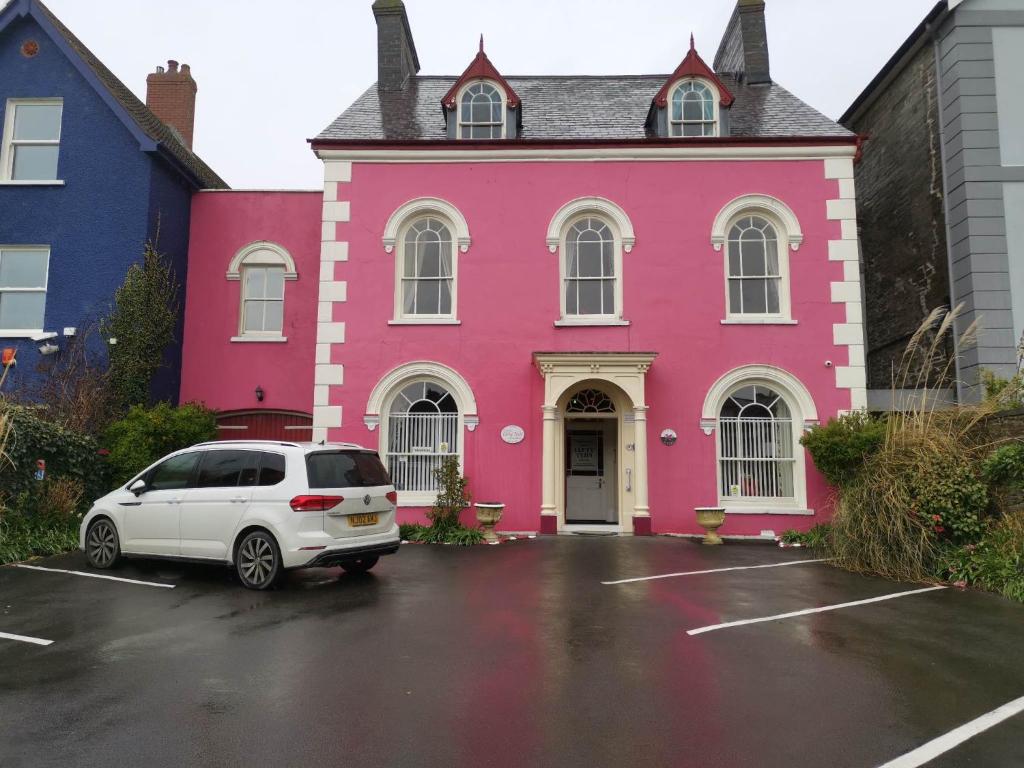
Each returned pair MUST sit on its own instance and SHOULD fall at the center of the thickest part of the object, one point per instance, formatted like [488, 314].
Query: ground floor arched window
[422, 429]
[756, 446]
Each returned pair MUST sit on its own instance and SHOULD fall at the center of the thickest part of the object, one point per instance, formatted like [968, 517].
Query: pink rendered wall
[508, 300]
[225, 374]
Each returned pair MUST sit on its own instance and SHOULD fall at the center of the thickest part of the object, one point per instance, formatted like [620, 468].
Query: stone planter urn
[488, 514]
[711, 519]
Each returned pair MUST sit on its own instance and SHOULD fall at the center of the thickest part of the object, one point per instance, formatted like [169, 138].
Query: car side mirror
[138, 487]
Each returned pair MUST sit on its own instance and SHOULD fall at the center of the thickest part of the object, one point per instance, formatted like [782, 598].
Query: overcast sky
[273, 73]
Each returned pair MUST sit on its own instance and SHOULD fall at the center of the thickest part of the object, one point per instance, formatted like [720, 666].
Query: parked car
[260, 506]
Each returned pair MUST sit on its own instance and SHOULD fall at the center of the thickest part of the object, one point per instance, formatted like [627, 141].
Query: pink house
[615, 299]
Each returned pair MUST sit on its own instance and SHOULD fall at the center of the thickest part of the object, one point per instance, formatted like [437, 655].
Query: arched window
[591, 270]
[756, 447]
[481, 112]
[693, 110]
[422, 428]
[262, 268]
[755, 269]
[427, 270]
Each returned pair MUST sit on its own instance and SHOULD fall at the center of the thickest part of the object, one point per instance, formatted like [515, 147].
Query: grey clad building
[941, 189]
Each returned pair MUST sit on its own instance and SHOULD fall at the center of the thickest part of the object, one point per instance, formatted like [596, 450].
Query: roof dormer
[693, 102]
[481, 104]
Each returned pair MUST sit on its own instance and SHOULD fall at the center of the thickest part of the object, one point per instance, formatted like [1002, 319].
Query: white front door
[590, 473]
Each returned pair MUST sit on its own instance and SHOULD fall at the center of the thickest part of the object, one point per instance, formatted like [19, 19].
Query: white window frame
[789, 237]
[615, 218]
[462, 123]
[378, 409]
[803, 414]
[8, 141]
[260, 254]
[394, 243]
[716, 98]
[27, 333]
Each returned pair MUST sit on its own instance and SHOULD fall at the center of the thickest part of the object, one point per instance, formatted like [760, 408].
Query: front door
[590, 472]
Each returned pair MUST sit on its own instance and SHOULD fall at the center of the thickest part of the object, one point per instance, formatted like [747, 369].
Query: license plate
[356, 521]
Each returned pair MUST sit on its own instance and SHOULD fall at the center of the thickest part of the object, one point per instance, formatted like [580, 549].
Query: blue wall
[97, 223]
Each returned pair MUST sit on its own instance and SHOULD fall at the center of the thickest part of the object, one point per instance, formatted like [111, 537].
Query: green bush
[23, 536]
[995, 563]
[840, 448]
[1005, 466]
[146, 434]
[68, 454]
[411, 531]
[1006, 393]
[948, 495]
[816, 538]
[452, 495]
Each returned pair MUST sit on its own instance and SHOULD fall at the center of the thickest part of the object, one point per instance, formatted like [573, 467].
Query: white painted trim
[409, 320]
[590, 154]
[759, 508]
[20, 333]
[423, 206]
[7, 141]
[939, 746]
[394, 379]
[808, 611]
[586, 321]
[258, 339]
[598, 206]
[772, 208]
[847, 292]
[777, 378]
[757, 320]
[712, 570]
[31, 183]
[262, 253]
[618, 527]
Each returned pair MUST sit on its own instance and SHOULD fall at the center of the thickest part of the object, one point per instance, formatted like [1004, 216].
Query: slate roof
[148, 122]
[556, 108]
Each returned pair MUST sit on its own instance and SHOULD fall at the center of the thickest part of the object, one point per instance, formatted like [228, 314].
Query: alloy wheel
[102, 544]
[256, 561]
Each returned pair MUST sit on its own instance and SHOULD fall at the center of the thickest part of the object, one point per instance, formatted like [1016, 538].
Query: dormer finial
[693, 44]
[481, 42]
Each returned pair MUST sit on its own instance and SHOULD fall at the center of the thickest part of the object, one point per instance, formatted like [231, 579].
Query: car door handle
[238, 499]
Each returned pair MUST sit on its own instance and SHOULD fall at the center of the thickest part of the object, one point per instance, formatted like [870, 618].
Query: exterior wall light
[260, 394]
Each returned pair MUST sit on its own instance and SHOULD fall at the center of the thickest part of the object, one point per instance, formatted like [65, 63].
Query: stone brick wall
[900, 210]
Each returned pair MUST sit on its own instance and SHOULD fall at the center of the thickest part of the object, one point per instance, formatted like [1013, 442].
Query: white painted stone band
[713, 570]
[928, 752]
[808, 611]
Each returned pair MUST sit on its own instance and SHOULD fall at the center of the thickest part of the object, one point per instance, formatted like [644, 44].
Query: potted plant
[488, 513]
[711, 519]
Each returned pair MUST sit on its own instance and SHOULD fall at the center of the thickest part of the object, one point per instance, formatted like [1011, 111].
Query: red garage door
[264, 425]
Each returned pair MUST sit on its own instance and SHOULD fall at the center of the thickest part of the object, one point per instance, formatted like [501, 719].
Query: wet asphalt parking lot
[514, 655]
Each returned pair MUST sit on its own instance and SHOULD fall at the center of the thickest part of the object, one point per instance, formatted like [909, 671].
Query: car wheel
[102, 546]
[259, 561]
[359, 565]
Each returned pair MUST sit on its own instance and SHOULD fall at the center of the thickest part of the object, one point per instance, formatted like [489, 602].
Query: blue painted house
[88, 173]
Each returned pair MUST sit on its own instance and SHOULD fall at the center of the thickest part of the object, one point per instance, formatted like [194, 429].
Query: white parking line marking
[25, 639]
[928, 752]
[713, 570]
[807, 611]
[95, 576]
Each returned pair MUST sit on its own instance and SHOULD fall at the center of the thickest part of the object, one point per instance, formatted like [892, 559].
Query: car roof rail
[247, 442]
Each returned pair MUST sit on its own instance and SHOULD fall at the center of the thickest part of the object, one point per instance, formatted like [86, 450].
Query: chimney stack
[171, 95]
[396, 51]
[744, 47]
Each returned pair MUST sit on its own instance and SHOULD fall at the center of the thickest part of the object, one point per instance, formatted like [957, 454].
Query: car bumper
[386, 543]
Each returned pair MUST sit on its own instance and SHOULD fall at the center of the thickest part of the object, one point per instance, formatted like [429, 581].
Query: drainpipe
[932, 30]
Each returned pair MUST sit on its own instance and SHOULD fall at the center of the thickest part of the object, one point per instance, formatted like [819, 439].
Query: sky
[274, 73]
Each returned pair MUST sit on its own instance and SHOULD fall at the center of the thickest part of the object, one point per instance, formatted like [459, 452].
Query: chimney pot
[159, 70]
[172, 65]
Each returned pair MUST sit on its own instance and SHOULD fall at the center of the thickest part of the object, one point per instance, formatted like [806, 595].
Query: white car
[260, 506]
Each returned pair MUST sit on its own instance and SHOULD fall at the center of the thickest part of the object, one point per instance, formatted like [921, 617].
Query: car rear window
[345, 469]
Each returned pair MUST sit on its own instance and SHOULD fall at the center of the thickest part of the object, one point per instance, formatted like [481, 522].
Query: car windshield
[345, 469]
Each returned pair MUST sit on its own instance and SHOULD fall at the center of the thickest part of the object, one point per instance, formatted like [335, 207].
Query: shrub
[42, 520]
[816, 538]
[1006, 394]
[995, 563]
[840, 448]
[147, 434]
[411, 531]
[453, 534]
[1005, 466]
[452, 496]
[67, 453]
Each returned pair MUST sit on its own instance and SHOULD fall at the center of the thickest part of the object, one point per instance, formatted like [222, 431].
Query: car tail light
[393, 497]
[315, 503]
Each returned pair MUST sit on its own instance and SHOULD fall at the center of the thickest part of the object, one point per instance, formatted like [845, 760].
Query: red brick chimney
[171, 94]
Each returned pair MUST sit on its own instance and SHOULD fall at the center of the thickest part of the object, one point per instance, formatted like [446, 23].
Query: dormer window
[694, 109]
[482, 112]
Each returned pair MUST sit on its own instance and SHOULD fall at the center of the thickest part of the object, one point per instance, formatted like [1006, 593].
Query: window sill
[426, 321]
[766, 510]
[758, 321]
[416, 498]
[610, 323]
[258, 339]
[31, 183]
[19, 333]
